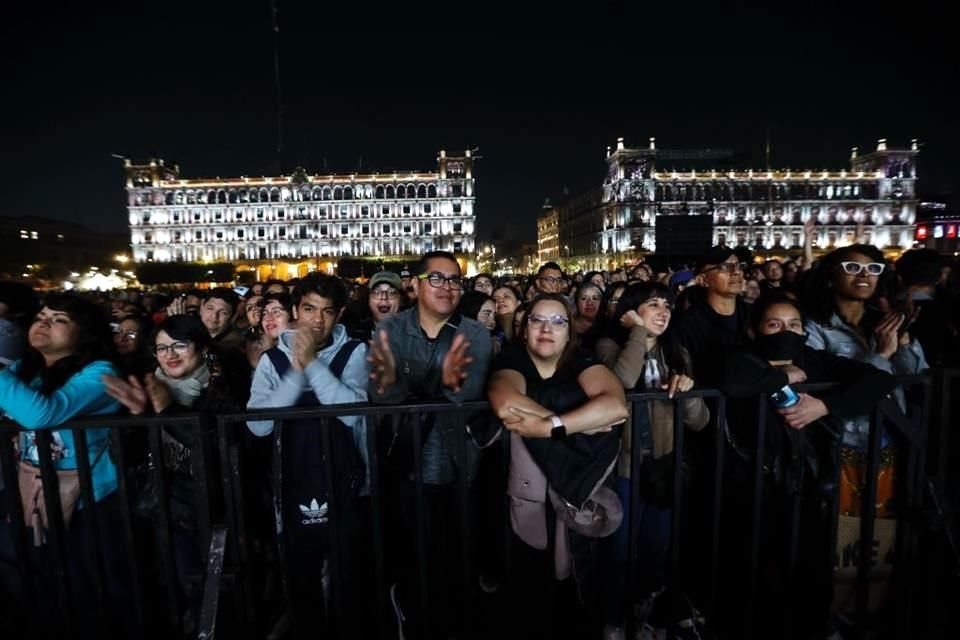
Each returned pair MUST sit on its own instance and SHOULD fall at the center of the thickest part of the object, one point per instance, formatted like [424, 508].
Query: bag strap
[282, 363]
[279, 359]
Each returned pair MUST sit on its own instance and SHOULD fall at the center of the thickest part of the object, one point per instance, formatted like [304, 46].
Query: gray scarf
[186, 390]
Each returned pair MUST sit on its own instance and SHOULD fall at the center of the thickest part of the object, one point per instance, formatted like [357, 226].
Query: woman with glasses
[130, 340]
[564, 412]
[57, 379]
[187, 378]
[275, 316]
[843, 319]
[646, 355]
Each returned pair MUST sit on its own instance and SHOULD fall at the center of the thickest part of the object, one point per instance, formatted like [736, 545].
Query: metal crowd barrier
[223, 521]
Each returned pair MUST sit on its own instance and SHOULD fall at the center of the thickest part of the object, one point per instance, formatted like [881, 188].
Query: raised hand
[804, 412]
[886, 334]
[158, 392]
[631, 319]
[454, 369]
[383, 367]
[178, 307]
[129, 393]
[304, 349]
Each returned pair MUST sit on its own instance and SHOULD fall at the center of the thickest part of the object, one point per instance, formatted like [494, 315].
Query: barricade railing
[222, 538]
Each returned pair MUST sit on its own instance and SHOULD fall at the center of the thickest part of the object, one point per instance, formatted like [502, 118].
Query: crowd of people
[555, 354]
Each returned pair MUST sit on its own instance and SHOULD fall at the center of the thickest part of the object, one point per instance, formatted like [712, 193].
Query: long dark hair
[669, 342]
[93, 342]
[819, 298]
[572, 345]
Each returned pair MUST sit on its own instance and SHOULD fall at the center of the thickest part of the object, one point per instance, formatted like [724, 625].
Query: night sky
[541, 93]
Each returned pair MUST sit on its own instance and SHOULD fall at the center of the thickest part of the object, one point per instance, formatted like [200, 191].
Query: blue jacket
[840, 339]
[82, 395]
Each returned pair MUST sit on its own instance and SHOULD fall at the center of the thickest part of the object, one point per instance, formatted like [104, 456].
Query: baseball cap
[714, 255]
[386, 277]
[405, 273]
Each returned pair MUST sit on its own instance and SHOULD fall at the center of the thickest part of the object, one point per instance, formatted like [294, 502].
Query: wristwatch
[558, 432]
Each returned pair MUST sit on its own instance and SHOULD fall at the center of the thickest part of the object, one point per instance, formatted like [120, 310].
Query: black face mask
[785, 345]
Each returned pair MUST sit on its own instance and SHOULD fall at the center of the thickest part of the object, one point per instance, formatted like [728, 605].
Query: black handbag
[179, 495]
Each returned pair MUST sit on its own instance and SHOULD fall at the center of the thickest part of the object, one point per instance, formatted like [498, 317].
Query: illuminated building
[301, 222]
[763, 210]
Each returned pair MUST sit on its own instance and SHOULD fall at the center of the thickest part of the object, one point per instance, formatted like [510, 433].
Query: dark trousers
[45, 614]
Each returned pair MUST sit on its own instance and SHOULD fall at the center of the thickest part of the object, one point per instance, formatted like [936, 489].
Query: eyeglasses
[275, 312]
[387, 292]
[728, 267]
[550, 279]
[556, 321]
[853, 268]
[436, 280]
[172, 349]
[125, 335]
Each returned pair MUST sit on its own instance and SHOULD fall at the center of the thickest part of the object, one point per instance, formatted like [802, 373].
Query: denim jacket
[841, 339]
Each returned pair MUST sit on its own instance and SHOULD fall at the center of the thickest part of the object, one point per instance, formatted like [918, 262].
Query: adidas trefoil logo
[314, 514]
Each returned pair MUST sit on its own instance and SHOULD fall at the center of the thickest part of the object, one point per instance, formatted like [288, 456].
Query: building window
[240, 234]
[385, 211]
[365, 230]
[323, 229]
[149, 255]
[177, 236]
[261, 232]
[365, 212]
[427, 227]
[199, 235]
[259, 214]
[457, 190]
[281, 214]
[386, 229]
[176, 217]
[219, 235]
[148, 237]
[406, 227]
[427, 208]
[218, 216]
[457, 207]
[282, 232]
[196, 216]
[24, 234]
[344, 229]
[262, 253]
[344, 211]
[457, 246]
[457, 227]
[406, 209]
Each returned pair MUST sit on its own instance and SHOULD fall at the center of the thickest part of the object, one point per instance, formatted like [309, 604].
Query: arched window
[348, 193]
[432, 191]
[233, 197]
[264, 196]
[390, 194]
[338, 193]
[169, 197]
[327, 193]
[317, 193]
[422, 191]
[221, 197]
[379, 193]
[659, 193]
[274, 195]
[191, 197]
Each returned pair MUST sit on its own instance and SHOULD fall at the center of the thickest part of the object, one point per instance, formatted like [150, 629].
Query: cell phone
[241, 291]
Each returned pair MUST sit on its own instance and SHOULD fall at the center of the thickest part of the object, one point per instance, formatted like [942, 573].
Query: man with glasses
[428, 352]
[386, 287]
[550, 278]
[717, 318]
